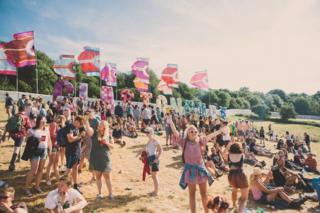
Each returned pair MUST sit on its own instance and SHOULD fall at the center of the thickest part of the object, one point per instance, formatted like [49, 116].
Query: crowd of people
[70, 132]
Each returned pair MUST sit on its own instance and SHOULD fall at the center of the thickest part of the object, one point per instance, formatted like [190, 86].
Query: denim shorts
[40, 154]
[154, 166]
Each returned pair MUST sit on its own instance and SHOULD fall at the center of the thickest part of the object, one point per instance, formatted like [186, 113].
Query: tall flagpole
[17, 82]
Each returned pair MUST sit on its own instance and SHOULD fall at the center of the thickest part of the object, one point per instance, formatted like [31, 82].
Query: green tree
[261, 110]
[279, 92]
[302, 106]
[287, 111]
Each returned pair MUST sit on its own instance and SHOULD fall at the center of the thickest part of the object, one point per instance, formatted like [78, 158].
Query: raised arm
[213, 135]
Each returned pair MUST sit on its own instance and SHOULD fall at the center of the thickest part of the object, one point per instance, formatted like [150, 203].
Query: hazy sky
[262, 44]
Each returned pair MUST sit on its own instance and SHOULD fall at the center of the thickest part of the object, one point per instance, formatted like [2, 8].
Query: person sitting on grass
[250, 158]
[65, 199]
[218, 204]
[6, 201]
[130, 127]
[310, 164]
[264, 195]
[117, 134]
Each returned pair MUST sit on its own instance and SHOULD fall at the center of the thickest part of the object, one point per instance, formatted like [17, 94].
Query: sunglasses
[3, 197]
[193, 132]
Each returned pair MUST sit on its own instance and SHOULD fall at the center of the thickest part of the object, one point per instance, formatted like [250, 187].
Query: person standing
[17, 128]
[154, 150]
[39, 156]
[8, 105]
[100, 159]
[75, 132]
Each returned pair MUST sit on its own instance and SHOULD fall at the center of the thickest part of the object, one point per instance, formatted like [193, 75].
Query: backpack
[14, 124]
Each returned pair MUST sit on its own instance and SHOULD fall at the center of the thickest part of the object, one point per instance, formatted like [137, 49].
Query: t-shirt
[42, 135]
[9, 101]
[74, 148]
[152, 147]
[52, 199]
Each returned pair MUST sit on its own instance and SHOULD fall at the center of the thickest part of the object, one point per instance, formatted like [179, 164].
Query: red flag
[200, 80]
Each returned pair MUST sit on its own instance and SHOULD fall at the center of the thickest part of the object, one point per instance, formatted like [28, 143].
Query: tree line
[276, 100]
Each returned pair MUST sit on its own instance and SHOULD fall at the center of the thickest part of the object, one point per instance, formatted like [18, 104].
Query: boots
[13, 160]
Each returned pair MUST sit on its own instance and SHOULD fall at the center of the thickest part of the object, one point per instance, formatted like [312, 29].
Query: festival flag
[140, 70]
[170, 75]
[20, 51]
[83, 91]
[164, 88]
[6, 68]
[200, 80]
[64, 67]
[106, 95]
[109, 74]
[89, 61]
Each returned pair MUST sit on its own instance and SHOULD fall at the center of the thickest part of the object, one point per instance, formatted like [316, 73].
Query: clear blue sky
[259, 44]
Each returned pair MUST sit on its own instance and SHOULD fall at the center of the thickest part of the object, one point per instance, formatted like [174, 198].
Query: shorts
[40, 154]
[154, 166]
[168, 131]
[238, 179]
[263, 199]
[55, 149]
[17, 141]
[72, 160]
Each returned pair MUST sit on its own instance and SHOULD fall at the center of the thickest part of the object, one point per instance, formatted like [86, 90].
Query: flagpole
[17, 82]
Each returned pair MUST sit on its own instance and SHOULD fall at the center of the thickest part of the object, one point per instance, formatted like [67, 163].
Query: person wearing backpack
[194, 172]
[17, 127]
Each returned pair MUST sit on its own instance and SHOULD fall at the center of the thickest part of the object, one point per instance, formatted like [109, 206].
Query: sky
[262, 44]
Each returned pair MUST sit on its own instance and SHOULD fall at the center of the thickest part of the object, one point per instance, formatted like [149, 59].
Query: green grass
[293, 126]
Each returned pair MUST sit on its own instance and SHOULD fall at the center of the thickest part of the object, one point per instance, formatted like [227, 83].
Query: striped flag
[170, 75]
[164, 88]
[89, 61]
[64, 67]
[200, 80]
[6, 67]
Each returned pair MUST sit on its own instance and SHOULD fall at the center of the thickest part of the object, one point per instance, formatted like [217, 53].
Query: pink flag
[170, 75]
[200, 80]
[109, 74]
[106, 95]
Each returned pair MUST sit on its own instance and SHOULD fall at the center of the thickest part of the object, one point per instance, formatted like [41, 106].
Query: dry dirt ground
[131, 193]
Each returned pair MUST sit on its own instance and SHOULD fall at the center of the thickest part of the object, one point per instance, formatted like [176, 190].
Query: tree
[261, 110]
[287, 111]
[279, 92]
[301, 106]
[255, 100]
[224, 99]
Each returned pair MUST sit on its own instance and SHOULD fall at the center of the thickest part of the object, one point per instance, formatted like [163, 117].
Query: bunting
[64, 67]
[109, 74]
[140, 70]
[89, 61]
[200, 80]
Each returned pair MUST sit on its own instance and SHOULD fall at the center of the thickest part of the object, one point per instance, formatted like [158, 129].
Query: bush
[261, 110]
[287, 111]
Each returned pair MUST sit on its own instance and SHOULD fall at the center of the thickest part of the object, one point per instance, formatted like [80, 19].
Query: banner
[64, 67]
[89, 61]
[140, 70]
[106, 95]
[60, 86]
[146, 96]
[6, 67]
[109, 74]
[200, 80]
[170, 75]
[20, 52]
[83, 91]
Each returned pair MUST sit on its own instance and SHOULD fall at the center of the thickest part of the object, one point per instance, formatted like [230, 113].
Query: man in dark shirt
[118, 111]
[307, 141]
[75, 132]
[8, 105]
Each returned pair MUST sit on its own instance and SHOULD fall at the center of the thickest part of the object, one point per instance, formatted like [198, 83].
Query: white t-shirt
[226, 134]
[152, 147]
[42, 135]
[52, 199]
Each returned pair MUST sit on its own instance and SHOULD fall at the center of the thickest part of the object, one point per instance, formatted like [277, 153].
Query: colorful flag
[6, 68]
[83, 91]
[164, 88]
[20, 51]
[170, 75]
[106, 95]
[200, 80]
[140, 70]
[64, 67]
[109, 74]
[89, 61]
